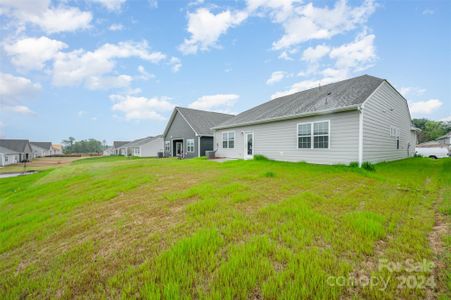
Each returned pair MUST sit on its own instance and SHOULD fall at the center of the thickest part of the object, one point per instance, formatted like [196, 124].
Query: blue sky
[114, 69]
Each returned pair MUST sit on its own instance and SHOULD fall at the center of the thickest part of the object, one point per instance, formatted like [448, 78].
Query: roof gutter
[308, 114]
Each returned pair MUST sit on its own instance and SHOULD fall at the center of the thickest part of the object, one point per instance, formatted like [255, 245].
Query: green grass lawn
[169, 229]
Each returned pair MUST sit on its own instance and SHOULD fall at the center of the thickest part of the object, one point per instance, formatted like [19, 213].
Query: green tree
[430, 130]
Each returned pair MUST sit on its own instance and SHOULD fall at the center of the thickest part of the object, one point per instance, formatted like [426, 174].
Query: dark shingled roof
[19, 146]
[139, 142]
[117, 144]
[342, 94]
[202, 121]
[43, 145]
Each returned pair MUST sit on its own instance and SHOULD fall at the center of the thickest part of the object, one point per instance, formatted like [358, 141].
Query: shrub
[354, 164]
[260, 157]
[270, 174]
[368, 166]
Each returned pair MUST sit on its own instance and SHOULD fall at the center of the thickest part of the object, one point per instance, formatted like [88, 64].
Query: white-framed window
[6, 158]
[228, 140]
[190, 145]
[136, 151]
[167, 146]
[314, 135]
[394, 131]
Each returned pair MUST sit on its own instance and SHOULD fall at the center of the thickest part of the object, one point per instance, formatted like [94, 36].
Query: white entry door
[248, 145]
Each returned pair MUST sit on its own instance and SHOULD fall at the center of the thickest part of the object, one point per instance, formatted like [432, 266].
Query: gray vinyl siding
[180, 130]
[385, 108]
[151, 149]
[279, 141]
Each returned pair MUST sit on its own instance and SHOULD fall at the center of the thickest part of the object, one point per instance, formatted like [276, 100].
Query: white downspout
[198, 146]
[360, 136]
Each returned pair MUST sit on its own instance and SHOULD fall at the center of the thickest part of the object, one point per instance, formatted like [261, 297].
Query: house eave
[308, 114]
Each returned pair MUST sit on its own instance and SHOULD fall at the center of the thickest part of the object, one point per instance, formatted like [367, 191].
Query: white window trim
[187, 146]
[167, 146]
[312, 136]
[228, 140]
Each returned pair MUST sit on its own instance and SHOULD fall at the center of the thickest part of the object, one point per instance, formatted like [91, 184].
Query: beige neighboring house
[14, 151]
[57, 149]
[41, 149]
[145, 147]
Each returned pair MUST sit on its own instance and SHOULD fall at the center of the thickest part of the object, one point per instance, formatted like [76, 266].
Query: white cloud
[276, 77]
[108, 82]
[20, 109]
[206, 28]
[80, 66]
[14, 89]
[33, 53]
[347, 60]
[141, 108]
[358, 54]
[446, 119]
[144, 74]
[218, 102]
[424, 107]
[310, 22]
[111, 5]
[49, 19]
[116, 27]
[2, 130]
[175, 63]
[408, 90]
[428, 11]
[313, 54]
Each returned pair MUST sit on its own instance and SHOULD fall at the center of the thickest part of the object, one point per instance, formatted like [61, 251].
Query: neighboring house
[57, 149]
[117, 150]
[146, 147]
[189, 133]
[41, 149]
[108, 151]
[14, 151]
[445, 140]
[356, 120]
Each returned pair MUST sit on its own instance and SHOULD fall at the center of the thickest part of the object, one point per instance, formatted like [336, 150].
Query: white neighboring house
[362, 119]
[445, 141]
[438, 148]
[117, 148]
[41, 149]
[108, 151]
[14, 151]
[145, 147]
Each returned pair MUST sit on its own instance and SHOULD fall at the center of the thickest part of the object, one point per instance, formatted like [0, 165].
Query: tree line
[430, 130]
[71, 145]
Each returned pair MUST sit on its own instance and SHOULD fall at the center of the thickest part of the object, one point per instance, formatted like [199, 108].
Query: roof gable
[200, 121]
[43, 145]
[19, 146]
[340, 95]
[140, 142]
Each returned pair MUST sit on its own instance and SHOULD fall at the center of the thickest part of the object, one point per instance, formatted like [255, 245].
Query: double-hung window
[228, 140]
[167, 146]
[305, 135]
[190, 145]
[313, 135]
